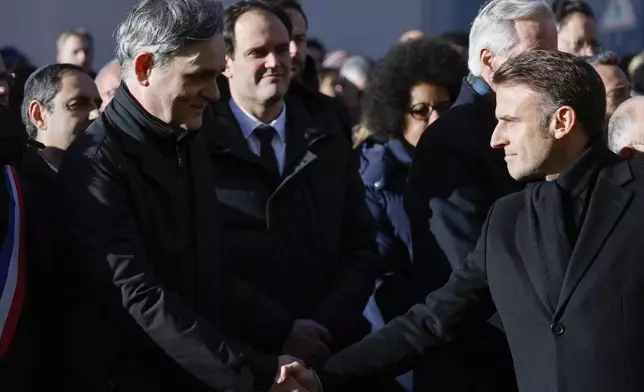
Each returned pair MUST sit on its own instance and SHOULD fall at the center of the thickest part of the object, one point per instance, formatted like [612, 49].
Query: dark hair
[314, 43]
[604, 58]
[456, 38]
[42, 86]
[561, 79]
[564, 8]
[290, 5]
[424, 60]
[239, 8]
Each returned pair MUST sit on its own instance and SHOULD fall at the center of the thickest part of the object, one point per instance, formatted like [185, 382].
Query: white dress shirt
[247, 122]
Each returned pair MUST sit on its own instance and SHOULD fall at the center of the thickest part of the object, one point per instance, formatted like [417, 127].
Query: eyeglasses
[7, 77]
[422, 111]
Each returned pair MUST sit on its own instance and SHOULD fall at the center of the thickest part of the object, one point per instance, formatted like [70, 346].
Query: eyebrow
[505, 117]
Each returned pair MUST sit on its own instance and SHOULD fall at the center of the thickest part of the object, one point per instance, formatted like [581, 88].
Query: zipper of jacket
[178, 150]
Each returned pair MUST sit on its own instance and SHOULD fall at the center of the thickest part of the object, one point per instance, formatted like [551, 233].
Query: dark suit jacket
[142, 269]
[591, 340]
[454, 179]
[305, 249]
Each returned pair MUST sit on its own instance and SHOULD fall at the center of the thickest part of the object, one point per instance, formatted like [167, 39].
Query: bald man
[626, 129]
[107, 81]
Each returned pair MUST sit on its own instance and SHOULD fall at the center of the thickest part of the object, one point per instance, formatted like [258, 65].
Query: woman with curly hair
[411, 87]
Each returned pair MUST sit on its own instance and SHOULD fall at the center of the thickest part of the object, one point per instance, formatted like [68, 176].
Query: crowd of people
[226, 206]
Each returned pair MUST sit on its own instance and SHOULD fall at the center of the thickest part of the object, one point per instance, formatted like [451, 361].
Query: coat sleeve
[448, 312]
[392, 248]
[446, 206]
[263, 322]
[107, 247]
[358, 266]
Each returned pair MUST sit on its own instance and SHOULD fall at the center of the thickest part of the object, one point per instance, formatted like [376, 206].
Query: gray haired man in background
[141, 275]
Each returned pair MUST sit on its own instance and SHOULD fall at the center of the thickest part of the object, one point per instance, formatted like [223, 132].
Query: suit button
[557, 329]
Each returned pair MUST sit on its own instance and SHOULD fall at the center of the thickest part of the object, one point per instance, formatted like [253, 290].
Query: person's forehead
[76, 83]
[204, 54]
[426, 92]
[256, 26]
[611, 75]
[513, 98]
[74, 41]
[578, 23]
[539, 32]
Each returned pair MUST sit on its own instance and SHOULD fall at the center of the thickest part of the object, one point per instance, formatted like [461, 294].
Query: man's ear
[626, 152]
[563, 121]
[143, 63]
[227, 71]
[38, 115]
[487, 59]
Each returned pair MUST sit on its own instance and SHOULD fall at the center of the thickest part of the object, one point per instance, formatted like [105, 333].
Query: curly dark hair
[406, 64]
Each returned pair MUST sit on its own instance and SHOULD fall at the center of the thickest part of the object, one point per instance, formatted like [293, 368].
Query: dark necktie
[265, 134]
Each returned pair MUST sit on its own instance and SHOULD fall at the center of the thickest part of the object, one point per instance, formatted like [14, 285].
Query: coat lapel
[607, 205]
[225, 135]
[544, 241]
[301, 131]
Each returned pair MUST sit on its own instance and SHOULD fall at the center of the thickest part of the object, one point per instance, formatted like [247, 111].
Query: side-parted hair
[239, 8]
[561, 79]
[165, 27]
[564, 8]
[42, 86]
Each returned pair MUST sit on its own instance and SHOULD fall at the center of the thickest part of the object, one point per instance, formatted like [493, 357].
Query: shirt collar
[247, 122]
[479, 85]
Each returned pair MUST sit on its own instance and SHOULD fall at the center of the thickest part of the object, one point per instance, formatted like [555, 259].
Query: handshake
[307, 340]
[295, 377]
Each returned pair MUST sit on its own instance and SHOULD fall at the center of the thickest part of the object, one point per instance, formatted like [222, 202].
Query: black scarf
[556, 210]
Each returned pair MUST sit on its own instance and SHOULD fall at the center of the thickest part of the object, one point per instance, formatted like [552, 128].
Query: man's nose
[211, 93]
[498, 140]
[271, 61]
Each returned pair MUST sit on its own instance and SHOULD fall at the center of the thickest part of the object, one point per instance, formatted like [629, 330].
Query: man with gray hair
[142, 274]
[626, 129]
[455, 177]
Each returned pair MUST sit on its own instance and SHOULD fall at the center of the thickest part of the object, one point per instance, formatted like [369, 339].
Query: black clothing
[304, 249]
[454, 179]
[590, 340]
[142, 262]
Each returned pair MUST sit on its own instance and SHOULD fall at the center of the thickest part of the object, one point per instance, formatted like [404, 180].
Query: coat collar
[381, 159]
[304, 126]
[152, 140]
[608, 202]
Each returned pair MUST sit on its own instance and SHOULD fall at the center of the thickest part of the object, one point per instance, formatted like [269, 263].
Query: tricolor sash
[12, 263]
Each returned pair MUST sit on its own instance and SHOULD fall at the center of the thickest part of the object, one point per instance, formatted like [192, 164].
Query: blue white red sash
[12, 263]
